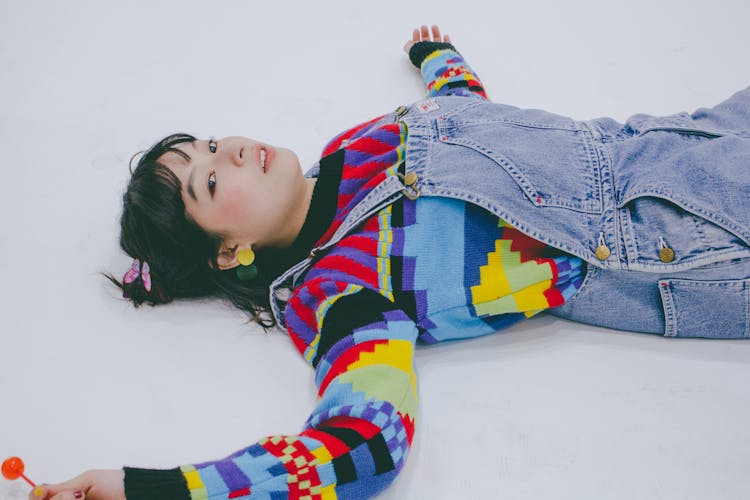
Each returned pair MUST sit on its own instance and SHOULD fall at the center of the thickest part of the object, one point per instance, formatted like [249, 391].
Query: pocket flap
[711, 309]
[683, 123]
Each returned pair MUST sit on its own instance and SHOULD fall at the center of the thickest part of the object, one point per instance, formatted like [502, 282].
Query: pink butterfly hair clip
[135, 271]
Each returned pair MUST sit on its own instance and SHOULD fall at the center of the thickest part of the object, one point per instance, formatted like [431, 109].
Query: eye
[212, 144]
[212, 183]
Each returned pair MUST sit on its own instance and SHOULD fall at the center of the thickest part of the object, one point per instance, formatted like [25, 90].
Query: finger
[78, 484]
[415, 35]
[69, 495]
[425, 32]
[435, 33]
[447, 39]
[39, 493]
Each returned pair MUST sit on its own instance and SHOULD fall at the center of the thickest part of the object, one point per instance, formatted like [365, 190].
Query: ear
[227, 255]
[226, 258]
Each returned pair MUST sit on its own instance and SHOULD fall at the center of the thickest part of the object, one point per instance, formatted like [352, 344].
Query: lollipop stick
[28, 481]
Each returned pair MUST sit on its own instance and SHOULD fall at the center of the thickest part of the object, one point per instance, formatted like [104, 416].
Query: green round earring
[246, 270]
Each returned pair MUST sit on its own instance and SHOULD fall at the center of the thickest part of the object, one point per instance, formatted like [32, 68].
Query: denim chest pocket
[712, 309]
[659, 234]
[551, 160]
[680, 194]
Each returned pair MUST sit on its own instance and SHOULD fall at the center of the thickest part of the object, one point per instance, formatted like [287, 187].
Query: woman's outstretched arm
[357, 438]
[444, 70]
[354, 443]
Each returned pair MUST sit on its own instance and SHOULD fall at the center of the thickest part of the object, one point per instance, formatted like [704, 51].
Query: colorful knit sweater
[421, 270]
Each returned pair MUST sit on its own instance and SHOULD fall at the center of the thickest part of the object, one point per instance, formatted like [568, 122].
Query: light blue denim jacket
[658, 207]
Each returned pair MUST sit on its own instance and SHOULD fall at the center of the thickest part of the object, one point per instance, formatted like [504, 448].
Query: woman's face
[249, 193]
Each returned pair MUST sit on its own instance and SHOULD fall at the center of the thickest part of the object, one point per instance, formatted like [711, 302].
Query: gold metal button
[411, 195]
[666, 254]
[401, 111]
[410, 181]
[602, 252]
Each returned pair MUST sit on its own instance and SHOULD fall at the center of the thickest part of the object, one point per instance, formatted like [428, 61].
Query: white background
[548, 409]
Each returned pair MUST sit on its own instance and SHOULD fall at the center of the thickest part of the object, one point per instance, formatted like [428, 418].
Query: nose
[238, 154]
[231, 150]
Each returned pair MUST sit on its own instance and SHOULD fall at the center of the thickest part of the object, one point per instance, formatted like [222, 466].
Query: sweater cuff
[420, 50]
[154, 484]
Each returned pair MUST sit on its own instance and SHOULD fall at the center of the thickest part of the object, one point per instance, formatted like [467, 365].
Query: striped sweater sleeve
[444, 70]
[357, 438]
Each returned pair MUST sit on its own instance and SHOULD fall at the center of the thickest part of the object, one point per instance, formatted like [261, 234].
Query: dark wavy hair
[155, 228]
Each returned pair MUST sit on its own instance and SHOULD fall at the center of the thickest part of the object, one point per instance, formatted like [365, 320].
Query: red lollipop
[13, 469]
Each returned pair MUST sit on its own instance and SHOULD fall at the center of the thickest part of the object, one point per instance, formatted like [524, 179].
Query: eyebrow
[190, 189]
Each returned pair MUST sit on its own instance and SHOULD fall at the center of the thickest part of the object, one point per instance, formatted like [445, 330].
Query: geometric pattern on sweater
[362, 306]
[519, 276]
[365, 303]
[490, 275]
[448, 74]
[370, 156]
[423, 270]
[358, 438]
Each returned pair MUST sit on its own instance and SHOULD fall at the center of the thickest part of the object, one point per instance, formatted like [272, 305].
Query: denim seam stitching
[690, 263]
[670, 319]
[589, 147]
[631, 244]
[605, 159]
[699, 223]
[513, 122]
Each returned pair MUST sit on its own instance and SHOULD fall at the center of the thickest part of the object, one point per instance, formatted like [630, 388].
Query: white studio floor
[547, 409]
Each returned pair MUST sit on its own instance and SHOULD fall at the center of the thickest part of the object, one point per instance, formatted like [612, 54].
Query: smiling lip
[270, 155]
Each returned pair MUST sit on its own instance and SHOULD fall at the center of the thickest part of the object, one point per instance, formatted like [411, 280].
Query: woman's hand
[91, 485]
[424, 35]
